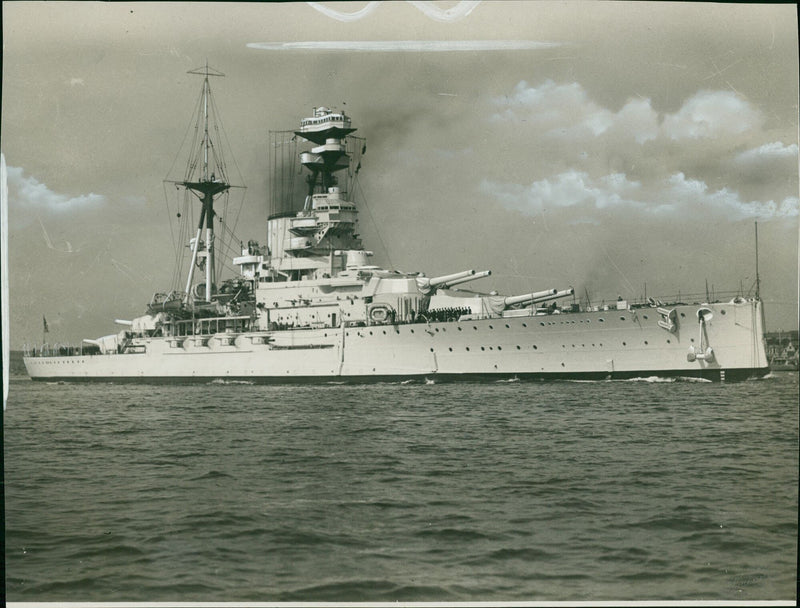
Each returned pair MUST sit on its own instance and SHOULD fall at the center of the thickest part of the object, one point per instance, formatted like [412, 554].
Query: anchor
[704, 352]
[669, 319]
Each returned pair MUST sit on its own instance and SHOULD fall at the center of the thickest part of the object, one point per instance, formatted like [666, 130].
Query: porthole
[646, 342]
[475, 327]
[601, 320]
[691, 339]
[622, 318]
[562, 365]
[507, 326]
[450, 348]
[482, 348]
[459, 329]
[518, 348]
[524, 325]
[490, 327]
[467, 347]
[645, 317]
[412, 331]
[499, 348]
[669, 341]
[535, 347]
[540, 323]
[682, 315]
[370, 333]
[624, 344]
[431, 350]
[722, 312]
[437, 329]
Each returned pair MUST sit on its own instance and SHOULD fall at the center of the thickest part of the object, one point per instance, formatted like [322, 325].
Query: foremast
[206, 185]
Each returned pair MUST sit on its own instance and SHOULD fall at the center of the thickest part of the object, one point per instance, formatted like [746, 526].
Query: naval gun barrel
[426, 284]
[528, 297]
[477, 275]
[559, 294]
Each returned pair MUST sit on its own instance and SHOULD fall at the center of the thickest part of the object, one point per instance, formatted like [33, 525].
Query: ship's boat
[308, 305]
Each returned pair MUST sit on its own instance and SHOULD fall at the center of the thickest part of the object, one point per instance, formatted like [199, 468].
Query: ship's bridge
[331, 200]
[325, 124]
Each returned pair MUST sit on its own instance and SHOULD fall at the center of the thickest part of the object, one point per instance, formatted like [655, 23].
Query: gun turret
[477, 275]
[426, 285]
[529, 297]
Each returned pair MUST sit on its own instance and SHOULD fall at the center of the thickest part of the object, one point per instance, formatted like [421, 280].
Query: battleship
[308, 305]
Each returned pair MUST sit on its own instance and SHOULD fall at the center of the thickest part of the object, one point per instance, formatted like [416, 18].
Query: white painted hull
[575, 345]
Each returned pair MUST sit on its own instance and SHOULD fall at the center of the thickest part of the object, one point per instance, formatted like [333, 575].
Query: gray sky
[602, 145]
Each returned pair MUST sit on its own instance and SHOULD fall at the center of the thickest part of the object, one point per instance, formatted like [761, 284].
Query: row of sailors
[444, 314]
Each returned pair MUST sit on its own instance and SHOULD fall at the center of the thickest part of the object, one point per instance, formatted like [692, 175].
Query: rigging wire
[226, 140]
[169, 215]
[185, 136]
[357, 184]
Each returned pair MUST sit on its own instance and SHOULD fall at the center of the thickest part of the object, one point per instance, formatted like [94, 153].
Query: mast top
[206, 71]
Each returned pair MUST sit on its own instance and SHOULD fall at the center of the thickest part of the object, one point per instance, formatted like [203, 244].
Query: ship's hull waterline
[615, 344]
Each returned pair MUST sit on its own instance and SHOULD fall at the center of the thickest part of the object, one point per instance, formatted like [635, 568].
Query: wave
[506, 381]
[652, 379]
[363, 590]
[223, 381]
[452, 534]
[210, 475]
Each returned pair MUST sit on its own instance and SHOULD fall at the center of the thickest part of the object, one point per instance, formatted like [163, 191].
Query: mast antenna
[758, 278]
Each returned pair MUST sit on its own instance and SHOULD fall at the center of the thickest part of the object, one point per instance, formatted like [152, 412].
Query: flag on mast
[45, 329]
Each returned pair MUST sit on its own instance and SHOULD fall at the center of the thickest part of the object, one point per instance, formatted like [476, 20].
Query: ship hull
[615, 344]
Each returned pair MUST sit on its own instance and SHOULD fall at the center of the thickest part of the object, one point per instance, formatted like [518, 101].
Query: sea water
[508, 491]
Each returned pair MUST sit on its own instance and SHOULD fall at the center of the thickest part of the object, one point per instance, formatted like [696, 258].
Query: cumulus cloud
[768, 153]
[566, 110]
[558, 107]
[687, 194]
[677, 195]
[26, 192]
[711, 114]
[568, 189]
